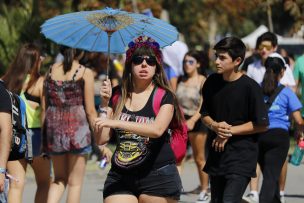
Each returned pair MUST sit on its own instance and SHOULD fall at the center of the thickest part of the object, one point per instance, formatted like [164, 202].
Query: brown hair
[26, 61]
[274, 67]
[69, 55]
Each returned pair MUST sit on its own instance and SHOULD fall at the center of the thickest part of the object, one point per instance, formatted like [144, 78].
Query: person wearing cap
[143, 164]
[267, 44]
[274, 143]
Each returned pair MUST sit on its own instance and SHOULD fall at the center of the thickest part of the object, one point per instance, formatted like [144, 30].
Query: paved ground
[93, 185]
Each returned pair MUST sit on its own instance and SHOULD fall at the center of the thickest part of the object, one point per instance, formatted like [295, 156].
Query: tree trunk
[269, 15]
[74, 5]
[212, 29]
[35, 8]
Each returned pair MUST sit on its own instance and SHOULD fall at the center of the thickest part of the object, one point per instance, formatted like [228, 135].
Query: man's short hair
[233, 46]
[267, 36]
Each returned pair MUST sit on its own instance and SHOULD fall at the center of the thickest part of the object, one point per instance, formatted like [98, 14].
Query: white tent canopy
[250, 40]
[290, 41]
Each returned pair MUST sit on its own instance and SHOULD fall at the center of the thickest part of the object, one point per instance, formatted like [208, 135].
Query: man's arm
[248, 128]
[5, 143]
[223, 131]
[220, 128]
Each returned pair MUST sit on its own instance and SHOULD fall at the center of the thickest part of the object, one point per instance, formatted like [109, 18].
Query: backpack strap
[157, 98]
[28, 135]
[115, 98]
[12, 102]
[274, 95]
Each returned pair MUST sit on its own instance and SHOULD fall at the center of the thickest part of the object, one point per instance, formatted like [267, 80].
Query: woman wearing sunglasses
[143, 165]
[189, 97]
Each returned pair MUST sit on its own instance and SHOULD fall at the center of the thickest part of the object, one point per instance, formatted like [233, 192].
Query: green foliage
[200, 21]
[12, 20]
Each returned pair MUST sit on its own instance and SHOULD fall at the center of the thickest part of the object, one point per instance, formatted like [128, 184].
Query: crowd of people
[76, 109]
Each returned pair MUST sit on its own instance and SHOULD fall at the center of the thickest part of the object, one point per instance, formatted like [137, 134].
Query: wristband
[3, 170]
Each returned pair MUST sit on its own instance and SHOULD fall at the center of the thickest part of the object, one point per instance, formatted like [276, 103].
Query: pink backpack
[179, 132]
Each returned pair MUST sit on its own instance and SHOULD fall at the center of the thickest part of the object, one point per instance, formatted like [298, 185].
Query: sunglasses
[190, 62]
[267, 47]
[150, 60]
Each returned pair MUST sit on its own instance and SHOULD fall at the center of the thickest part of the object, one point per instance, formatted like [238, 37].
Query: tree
[295, 9]
[12, 16]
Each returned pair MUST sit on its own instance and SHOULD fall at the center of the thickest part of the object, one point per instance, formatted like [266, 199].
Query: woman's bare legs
[121, 198]
[143, 198]
[69, 171]
[17, 169]
[198, 142]
[76, 171]
[60, 165]
[42, 170]
[254, 185]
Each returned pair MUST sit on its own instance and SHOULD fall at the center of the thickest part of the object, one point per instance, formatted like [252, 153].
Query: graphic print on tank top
[132, 149]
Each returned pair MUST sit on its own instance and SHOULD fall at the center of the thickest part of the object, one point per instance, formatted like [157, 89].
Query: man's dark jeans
[228, 188]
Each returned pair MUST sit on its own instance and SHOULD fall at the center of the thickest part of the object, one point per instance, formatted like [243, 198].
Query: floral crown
[144, 41]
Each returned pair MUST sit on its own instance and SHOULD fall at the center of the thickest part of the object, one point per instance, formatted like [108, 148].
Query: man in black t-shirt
[234, 110]
[5, 137]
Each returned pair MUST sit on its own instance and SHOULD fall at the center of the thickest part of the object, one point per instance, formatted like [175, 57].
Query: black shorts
[198, 127]
[161, 182]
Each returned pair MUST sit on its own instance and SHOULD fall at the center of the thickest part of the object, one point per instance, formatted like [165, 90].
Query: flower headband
[144, 41]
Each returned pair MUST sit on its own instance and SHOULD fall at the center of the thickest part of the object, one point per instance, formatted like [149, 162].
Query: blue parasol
[107, 30]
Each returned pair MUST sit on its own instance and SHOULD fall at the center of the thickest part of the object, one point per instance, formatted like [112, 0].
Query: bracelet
[102, 147]
[103, 110]
[3, 170]
[211, 125]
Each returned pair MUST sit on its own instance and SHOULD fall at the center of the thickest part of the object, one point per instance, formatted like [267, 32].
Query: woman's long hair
[274, 67]
[26, 61]
[202, 58]
[69, 55]
[159, 80]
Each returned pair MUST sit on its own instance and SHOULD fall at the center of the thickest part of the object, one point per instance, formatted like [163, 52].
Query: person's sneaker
[203, 198]
[282, 198]
[251, 198]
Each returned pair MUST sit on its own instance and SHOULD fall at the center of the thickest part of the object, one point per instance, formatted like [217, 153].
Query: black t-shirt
[5, 101]
[235, 102]
[132, 148]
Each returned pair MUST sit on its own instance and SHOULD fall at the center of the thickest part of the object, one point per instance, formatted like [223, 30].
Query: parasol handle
[108, 57]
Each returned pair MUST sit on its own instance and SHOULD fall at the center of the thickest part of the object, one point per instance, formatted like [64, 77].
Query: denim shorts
[199, 126]
[83, 151]
[3, 195]
[36, 141]
[161, 182]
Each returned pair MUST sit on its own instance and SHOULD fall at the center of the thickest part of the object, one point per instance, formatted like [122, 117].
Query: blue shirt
[170, 73]
[285, 103]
